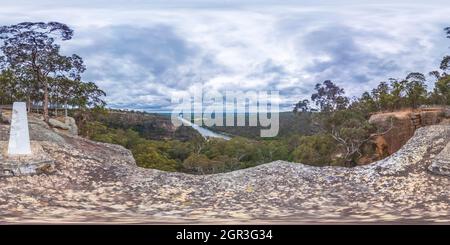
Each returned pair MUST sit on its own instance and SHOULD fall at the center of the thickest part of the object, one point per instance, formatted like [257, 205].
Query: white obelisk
[19, 137]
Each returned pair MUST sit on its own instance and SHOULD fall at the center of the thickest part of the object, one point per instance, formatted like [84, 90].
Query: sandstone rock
[441, 163]
[100, 183]
[37, 162]
[58, 124]
[402, 130]
[447, 112]
[403, 123]
[43, 133]
[70, 122]
[65, 123]
[4, 118]
[431, 117]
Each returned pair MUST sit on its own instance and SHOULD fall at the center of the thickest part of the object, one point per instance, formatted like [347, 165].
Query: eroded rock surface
[96, 182]
[400, 126]
[441, 163]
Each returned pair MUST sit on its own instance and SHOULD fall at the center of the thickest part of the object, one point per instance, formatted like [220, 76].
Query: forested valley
[327, 129]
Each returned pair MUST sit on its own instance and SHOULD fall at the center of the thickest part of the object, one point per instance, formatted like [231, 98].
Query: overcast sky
[142, 52]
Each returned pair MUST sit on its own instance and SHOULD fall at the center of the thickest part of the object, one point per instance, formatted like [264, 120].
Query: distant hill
[158, 126]
[289, 123]
[153, 126]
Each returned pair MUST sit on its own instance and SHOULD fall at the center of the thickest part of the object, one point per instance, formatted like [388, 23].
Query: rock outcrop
[64, 123]
[97, 182]
[39, 162]
[401, 125]
[441, 163]
[398, 127]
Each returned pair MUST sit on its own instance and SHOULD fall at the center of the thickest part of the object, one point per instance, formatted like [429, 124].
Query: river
[203, 131]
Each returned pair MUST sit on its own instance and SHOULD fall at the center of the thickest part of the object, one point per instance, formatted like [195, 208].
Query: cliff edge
[97, 182]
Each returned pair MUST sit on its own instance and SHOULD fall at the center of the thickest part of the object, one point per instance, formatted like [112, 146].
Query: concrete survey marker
[19, 137]
[19, 156]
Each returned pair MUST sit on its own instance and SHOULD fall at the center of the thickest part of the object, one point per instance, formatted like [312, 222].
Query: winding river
[203, 131]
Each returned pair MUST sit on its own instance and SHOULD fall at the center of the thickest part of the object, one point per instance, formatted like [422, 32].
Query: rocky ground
[100, 183]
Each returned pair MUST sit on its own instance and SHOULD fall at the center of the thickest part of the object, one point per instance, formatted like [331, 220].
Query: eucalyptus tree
[441, 91]
[416, 90]
[66, 90]
[88, 95]
[32, 46]
[7, 85]
[302, 106]
[329, 97]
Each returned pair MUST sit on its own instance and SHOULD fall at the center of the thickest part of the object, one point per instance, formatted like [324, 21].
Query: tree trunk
[65, 108]
[29, 104]
[46, 103]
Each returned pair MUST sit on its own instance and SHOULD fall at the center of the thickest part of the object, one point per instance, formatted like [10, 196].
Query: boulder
[58, 124]
[41, 133]
[5, 117]
[64, 123]
[73, 128]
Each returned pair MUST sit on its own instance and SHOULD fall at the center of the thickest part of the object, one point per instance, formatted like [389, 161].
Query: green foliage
[196, 156]
[410, 92]
[34, 70]
[337, 135]
[415, 89]
[351, 130]
[315, 150]
[199, 163]
[302, 106]
[148, 156]
[8, 87]
[441, 92]
[382, 96]
[329, 97]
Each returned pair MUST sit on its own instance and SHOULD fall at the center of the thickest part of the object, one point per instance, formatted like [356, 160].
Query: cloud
[340, 56]
[142, 53]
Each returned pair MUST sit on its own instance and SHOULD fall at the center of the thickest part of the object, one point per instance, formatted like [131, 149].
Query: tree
[315, 150]
[147, 156]
[199, 163]
[88, 95]
[348, 127]
[351, 130]
[441, 91]
[445, 64]
[329, 97]
[30, 46]
[365, 104]
[65, 90]
[382, 97]
[397, 93]
[7, 87]
[416, 90]
[302, 106]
